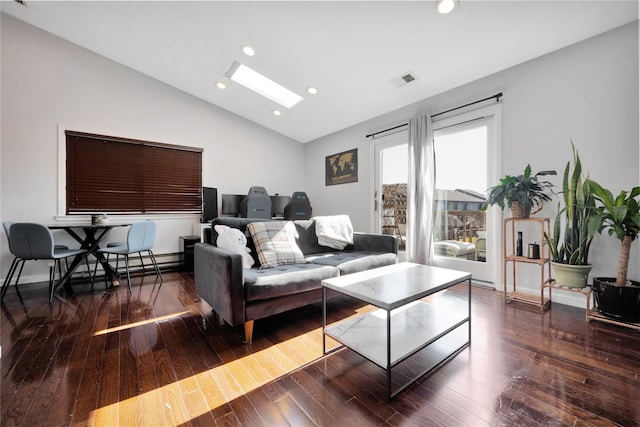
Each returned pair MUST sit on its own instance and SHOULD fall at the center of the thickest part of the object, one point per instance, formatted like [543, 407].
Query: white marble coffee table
[403, 324]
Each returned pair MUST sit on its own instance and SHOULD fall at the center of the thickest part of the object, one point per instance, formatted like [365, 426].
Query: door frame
[388, 141]
[494, 172]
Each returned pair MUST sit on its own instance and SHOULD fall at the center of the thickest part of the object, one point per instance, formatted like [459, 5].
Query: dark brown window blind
[119, 175]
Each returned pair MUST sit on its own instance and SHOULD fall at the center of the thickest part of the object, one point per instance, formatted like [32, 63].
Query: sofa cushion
[353, 261]
[283, 280]
[276, 243]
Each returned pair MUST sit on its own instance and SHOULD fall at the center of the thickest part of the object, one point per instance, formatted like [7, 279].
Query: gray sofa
[240, 296]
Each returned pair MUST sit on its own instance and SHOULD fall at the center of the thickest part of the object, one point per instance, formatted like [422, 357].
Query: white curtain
[421, 189]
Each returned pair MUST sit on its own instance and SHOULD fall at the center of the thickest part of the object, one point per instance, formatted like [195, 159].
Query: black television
[209, 204]
[278, 203]
[231, 204]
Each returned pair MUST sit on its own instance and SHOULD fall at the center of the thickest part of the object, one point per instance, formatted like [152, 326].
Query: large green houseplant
[520, 192]
[570, 241]
[620, 215]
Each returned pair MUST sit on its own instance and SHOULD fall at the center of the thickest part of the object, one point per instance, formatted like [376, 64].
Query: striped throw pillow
[276, 243]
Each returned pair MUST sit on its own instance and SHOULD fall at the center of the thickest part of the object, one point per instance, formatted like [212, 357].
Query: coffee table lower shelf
[441, 332]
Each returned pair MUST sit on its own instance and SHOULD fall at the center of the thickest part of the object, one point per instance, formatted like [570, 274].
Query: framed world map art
[342, 168]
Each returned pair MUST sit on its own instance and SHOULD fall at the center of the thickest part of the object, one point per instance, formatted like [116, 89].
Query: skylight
[255, 81]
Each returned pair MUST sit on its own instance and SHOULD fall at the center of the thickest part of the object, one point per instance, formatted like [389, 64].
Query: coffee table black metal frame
[397, 291]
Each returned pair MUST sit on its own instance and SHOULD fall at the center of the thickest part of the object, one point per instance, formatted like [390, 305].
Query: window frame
[152, 149]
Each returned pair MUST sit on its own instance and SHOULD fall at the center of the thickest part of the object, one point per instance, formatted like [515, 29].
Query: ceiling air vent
[403, 79]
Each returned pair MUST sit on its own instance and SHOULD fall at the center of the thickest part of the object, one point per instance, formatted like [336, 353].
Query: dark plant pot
[615, 301]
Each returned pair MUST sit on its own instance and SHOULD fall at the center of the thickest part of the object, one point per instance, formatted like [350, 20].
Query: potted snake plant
[570, 241]
[617, 297]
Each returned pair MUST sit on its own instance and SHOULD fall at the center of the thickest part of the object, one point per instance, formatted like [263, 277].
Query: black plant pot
[615, 301]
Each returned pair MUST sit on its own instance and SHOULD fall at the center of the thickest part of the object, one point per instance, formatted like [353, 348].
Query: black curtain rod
[497, 96]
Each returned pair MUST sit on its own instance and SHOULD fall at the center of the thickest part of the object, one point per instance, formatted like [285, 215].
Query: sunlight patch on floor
[191, 397]
[140, 323]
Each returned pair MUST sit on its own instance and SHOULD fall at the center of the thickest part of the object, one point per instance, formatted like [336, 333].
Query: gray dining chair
[30, 241]
[114, 245]
[140, 238]
[14, 263]
[7, 229]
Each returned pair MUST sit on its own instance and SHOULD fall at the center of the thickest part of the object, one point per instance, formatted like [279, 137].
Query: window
[118, 175]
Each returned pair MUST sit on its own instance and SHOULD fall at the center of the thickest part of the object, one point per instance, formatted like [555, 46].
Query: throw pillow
[276, 243]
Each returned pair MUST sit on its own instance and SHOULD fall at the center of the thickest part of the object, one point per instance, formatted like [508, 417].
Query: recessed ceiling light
[255, 81]
[312, 90]
[277, 112]
[248, 50]
[221, 85]
[446, 6]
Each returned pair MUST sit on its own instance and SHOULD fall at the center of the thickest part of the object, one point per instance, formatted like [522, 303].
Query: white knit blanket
[334, 231]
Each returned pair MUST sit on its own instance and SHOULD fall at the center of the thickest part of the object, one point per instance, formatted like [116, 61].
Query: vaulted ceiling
[350, 51]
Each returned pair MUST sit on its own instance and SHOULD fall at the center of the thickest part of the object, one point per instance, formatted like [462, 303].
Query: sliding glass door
[390, 194]
[466, 237]
[467, 150]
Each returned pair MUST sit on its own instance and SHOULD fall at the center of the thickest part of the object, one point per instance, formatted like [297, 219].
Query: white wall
[47, 82]
[587, 92]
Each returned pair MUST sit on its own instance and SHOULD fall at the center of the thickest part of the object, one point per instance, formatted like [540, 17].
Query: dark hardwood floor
[158, 357]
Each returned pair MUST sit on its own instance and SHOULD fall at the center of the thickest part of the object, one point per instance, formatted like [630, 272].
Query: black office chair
[29, 241]
[299, 207]
[257, 204]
